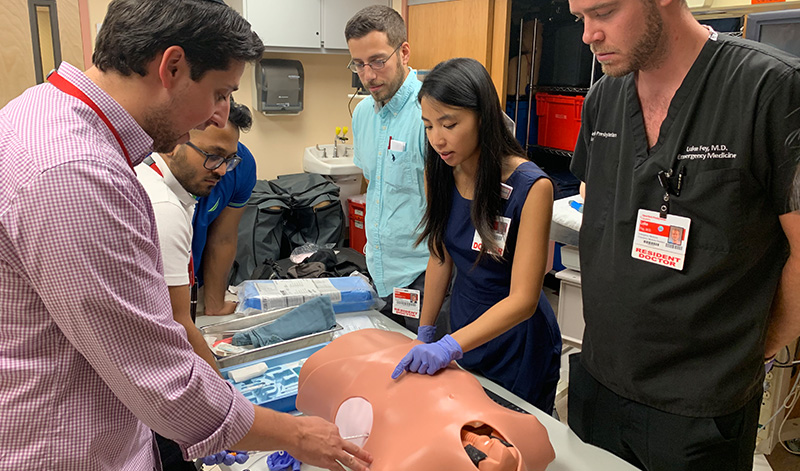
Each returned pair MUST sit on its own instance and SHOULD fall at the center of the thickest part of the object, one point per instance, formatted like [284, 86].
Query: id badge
[500, 233]
[661, 240]
[405, 302]
[505, 191]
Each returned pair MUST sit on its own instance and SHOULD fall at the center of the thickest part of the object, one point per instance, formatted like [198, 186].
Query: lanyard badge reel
[666, 180]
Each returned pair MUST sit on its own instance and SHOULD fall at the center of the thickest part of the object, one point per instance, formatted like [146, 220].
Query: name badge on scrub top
[661, 240]
[500, 233]
[405, 302]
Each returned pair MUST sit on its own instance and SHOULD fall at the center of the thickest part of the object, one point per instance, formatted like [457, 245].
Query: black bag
[281, 215]
[260, 230]
[315, 214]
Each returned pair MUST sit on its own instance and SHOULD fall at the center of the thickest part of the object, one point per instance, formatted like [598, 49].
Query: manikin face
[193, 105]
[451, 131]
[382, 84]
[186, 163]
[625, 35]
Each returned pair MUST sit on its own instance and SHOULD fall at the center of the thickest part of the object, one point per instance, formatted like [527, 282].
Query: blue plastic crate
[277, 388]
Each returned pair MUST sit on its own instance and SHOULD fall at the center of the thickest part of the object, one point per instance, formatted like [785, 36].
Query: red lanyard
[67, 87]
[152, 163]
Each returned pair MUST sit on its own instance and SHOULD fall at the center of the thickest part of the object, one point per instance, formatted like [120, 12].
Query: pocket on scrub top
[400, 171]
[713, 198]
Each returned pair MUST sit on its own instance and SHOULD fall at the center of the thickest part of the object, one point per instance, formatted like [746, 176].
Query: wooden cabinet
[461, 28]
[313, 25]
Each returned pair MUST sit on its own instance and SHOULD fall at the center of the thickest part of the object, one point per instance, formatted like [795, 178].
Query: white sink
[321, 160]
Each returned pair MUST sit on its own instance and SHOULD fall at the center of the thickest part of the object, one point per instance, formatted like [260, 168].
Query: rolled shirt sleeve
[91, 255]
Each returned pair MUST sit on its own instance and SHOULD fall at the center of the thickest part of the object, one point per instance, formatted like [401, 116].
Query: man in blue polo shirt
[389, 144]
[216, 224]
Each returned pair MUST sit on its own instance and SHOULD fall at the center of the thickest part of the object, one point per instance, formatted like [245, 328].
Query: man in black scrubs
[694, 130]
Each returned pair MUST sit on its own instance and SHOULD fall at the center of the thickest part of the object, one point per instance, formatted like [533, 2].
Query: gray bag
[260, 230]
[316, 214]
[286, 213]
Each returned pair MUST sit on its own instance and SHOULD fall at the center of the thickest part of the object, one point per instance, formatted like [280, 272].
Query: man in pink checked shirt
[91, 362]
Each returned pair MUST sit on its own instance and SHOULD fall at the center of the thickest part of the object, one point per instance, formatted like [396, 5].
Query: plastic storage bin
[357, 207]
[277, 388]
[559, 120]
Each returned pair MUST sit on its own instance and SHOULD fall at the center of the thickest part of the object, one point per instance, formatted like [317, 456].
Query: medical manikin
[419, 422]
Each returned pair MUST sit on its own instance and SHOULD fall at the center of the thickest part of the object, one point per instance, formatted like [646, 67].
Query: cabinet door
[335, 14]
[285, 24]
[464, 28]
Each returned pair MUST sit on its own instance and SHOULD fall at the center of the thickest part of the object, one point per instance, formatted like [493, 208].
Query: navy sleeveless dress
[525, 360]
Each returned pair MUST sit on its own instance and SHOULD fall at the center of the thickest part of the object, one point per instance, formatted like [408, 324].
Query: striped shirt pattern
[90, 357]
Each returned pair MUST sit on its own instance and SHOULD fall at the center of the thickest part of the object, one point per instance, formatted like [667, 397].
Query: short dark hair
[240, 116]
[377, 18]
[464, 83]
[210, 33]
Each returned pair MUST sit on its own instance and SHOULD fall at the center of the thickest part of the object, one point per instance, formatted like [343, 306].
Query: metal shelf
[561, 89]
[553, 150]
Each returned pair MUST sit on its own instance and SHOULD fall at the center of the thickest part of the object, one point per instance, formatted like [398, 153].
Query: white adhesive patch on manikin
[354, 419]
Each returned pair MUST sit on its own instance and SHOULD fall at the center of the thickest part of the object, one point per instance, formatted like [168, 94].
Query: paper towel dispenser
[279, 86]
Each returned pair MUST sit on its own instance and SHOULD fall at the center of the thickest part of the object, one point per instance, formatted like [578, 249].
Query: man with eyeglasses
[174, 181]
[389, 144]
[91, 360]
[216, 232]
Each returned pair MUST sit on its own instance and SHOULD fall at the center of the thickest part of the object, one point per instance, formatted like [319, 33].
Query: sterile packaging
[348, 294]
[276, 387]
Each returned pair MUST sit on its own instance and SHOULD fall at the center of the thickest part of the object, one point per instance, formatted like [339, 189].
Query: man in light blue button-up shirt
[389, 142]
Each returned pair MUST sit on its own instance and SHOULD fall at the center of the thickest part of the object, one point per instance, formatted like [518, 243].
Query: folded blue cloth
[315, 315]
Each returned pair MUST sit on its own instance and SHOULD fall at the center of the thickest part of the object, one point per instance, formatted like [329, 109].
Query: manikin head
[379, 50]
[183, 58]
[193, 163]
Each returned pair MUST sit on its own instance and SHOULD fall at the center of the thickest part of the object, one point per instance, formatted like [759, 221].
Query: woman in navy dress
[488, 215]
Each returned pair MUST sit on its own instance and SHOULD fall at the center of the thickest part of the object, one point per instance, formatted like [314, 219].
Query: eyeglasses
[377, 64]
[213, 161]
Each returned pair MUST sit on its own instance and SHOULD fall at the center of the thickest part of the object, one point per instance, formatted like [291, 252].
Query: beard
[191, 179]
[392, 86]
[649, 50]
[158, 126]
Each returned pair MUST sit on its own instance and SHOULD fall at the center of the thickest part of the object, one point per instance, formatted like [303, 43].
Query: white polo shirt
[174, 208]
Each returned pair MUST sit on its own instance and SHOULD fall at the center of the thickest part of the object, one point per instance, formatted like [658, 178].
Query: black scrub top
[689, 342]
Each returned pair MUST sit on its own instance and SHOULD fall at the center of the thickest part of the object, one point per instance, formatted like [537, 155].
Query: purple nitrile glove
[226, 457]
[426, 333]
[281, 460]
[429, 358]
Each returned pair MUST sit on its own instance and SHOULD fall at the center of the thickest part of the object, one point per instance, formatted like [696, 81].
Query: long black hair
[465, 83]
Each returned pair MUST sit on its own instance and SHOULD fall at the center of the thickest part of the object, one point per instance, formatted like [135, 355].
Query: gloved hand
[426, 333]
[226, 457]
[282, 460]
[429, 358]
